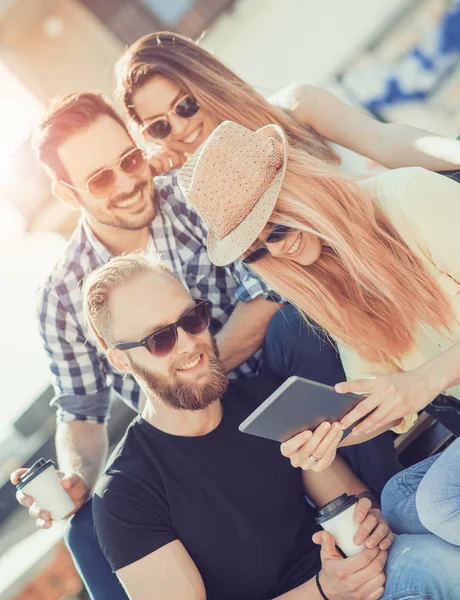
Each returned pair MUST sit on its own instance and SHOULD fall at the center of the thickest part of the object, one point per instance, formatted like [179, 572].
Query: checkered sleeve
[170, 192]
[78, 373]
[250, 285]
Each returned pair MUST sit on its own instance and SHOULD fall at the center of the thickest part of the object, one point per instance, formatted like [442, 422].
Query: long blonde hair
[218, 89]
[367, 288]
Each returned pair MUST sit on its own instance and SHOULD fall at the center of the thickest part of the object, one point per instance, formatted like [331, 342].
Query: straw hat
[233, 181]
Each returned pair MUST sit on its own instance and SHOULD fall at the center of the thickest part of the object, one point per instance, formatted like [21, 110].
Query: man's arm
[166, 573]
[244, 332]
[171, 573]
[82, 449]
[82, 398]
[338, 479]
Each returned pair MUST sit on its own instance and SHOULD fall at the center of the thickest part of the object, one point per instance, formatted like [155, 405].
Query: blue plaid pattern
[81, 375]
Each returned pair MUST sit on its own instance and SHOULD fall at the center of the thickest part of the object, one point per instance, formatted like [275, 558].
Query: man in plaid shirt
[97, 168]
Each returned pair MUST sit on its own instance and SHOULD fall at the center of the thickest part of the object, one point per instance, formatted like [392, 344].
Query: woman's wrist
[436, 376]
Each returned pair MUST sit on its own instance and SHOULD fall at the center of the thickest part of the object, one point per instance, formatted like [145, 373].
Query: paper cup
[337, 518]
[43, 484]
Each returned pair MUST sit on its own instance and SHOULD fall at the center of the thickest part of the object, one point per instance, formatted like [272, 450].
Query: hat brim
[232, 247]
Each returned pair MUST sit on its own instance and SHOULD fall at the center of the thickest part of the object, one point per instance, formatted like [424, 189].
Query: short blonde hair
[100, 283]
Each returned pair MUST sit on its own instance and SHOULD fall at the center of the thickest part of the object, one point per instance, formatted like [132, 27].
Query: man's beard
[129, 222]
[184, 395]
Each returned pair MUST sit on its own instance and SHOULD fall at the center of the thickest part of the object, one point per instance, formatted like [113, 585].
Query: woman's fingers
[357, 386]
[158, 165]
[165, 160]
[175, 159]
[360, 411]
[380, 416]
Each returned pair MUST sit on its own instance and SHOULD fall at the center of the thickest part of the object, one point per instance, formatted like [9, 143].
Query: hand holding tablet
[304, 416]
[296, 406]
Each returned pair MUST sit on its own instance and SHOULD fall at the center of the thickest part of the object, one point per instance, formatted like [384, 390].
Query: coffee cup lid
[335, 507]
[38, 467]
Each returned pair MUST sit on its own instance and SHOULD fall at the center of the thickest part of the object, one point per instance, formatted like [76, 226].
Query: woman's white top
[424, 208]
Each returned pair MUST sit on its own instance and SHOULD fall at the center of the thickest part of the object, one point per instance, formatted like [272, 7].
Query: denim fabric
[438, 496]
[398, 498]
[426, 497]
[422, 567]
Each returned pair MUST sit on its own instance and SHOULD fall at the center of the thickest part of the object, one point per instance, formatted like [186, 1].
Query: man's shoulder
[77, 260]
[167, 187]
[170, 195]
[129, 477]
[129, 459]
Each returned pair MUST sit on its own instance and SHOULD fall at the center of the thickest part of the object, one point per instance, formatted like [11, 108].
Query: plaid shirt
[81, 375]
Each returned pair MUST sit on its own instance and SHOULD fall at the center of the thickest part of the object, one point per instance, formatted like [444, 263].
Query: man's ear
[65, 194]
[119, 359]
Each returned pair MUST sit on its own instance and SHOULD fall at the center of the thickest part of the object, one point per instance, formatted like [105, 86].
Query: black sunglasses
[160, 127]
[278, 233]
[163, 341]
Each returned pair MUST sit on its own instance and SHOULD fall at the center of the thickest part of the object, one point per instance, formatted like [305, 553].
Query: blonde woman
[375, 262]
[177, 93]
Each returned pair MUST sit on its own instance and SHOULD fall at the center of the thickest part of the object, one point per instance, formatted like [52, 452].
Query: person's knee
[392, 494]
[423, 563]
[438, 509]
[79, 529]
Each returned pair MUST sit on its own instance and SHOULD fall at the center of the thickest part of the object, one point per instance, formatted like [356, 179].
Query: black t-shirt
[232, 499]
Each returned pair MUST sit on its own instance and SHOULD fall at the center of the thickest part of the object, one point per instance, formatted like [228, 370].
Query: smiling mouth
[191, 364]
[192, 138]
[131, 201]
[296, 245]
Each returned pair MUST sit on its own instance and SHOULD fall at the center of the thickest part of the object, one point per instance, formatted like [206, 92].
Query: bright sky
[24, 261]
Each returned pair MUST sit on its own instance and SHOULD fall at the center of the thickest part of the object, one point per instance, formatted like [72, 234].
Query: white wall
[271, 43]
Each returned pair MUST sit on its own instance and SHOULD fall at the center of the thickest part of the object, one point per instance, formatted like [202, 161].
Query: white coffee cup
[43, 484]
[337, 518]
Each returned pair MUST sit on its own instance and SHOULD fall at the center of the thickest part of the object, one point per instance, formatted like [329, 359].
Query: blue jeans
[426, 497]
[422, 567]
[291, 348]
